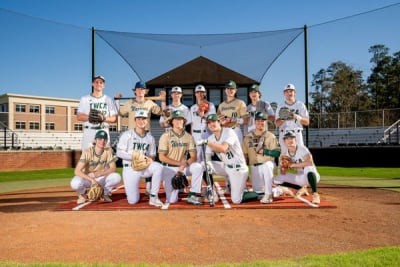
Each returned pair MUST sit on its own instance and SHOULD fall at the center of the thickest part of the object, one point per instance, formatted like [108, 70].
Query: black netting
[151, 55]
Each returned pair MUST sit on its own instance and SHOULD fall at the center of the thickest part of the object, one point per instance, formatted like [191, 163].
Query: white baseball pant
[261, 177]
[299, 179]
[80, 185]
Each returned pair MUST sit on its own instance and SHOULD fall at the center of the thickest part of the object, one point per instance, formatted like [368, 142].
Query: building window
[242, 94]
[20, 125]
[75, 111]
[50, 110]
[78, 127]
[20, 108]
[50, 126]
[124, 128]
[4, 107]
[215, 96]
[34, 109]
[113, 128]
[187, 97]
[33, 125]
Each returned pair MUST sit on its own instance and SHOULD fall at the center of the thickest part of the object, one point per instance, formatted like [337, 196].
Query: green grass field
[382, 178]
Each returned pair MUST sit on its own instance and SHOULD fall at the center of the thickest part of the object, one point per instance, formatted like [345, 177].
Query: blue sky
[52, 65]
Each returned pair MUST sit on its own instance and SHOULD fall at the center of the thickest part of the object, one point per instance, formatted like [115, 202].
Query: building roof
[200, 70]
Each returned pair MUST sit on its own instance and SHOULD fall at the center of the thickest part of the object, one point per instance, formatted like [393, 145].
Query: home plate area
[120, 202]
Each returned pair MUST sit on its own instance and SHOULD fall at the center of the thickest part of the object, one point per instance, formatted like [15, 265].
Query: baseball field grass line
[377, 257]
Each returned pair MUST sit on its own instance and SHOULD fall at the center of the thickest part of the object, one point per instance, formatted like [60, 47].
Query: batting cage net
[151, 55]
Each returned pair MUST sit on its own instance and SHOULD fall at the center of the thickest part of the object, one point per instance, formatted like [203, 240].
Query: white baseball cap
[141, 114]
[200, 88]
[290, 86]
[176, 89]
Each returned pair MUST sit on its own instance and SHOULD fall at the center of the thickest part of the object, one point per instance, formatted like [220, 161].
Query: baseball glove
[95, 192]
[204, 107]
[285, 162]
[139, 161]
[261, 106]
[228, 122]
[95, 116]
[166, 113]
[179, 181]
[285, 114]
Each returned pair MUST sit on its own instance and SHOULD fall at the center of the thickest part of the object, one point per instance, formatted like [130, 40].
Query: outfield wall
[350, 156]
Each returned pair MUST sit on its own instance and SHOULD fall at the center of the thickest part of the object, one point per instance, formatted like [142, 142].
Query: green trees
[341, 88]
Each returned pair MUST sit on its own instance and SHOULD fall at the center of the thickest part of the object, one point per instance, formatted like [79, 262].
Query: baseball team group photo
[186, 134]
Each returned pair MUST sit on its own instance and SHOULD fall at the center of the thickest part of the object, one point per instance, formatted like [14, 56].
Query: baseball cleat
[194, 200]
[267, 198]
[81, 199]
[315, 198]
[106, 198]
[155, 201]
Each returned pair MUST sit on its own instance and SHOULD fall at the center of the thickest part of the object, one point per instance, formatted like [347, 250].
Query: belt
[234, 166]
[199, 131]
[95, 127]
[258, 164]
[169, 165]
[296, 131]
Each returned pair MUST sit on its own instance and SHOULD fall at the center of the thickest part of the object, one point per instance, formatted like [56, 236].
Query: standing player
[298, 116]
[226, 145]
[260, 149]
[99, 101]
[177, 152]
[232, 111]
[257, 105]
[199, 123]
[176, 95]
[139, 139]
[140, 103]
[303, 163]
[96, 165]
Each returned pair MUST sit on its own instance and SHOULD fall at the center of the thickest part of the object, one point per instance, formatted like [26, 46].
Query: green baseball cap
[255, 88]
[260, 116]
[101, 135]
[212, 117]
[230, 84]
[289, 134]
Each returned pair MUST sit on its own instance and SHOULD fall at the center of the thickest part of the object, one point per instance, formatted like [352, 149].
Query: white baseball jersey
[251, 109]
[182, 108]
[128, 142]
[301, 177]
[232, 164]
[298, 108]
[199, 125]
[107, 107]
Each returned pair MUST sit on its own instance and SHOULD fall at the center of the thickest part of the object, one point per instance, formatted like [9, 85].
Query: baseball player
[226, 145]
[140, 103]
[252, 108]
[177, 152]
[99, 101]
[141, 140]
[302, 162]
[232, 111]
[96, 165]
[260, 149]
[198, 118]
[176, 95]
[298, 119]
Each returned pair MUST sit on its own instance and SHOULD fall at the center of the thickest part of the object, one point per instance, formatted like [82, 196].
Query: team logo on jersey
[99, 106]
[178, 144]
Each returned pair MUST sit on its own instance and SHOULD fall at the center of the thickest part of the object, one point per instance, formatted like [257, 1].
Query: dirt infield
[31, 231]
